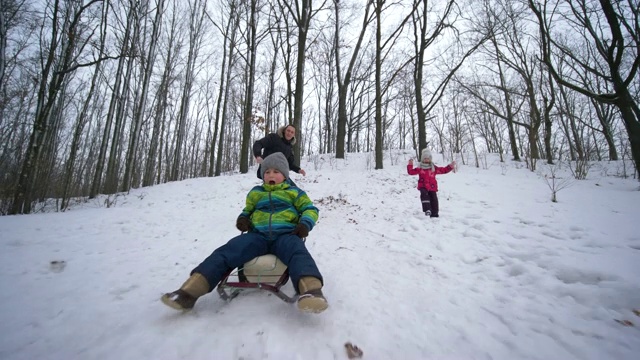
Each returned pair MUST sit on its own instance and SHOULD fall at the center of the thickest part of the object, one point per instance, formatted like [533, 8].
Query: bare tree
[251, 38]
[84, 115]
[153, 166]
[382, 49]
[272, 102]
[10, 12]
[323, 74]
[378, 82]
[302, 12]
[196, 16]
[548, 94]
[121, 102]
[515, 53]
[610, 27]
[495, 87]
[18, 27]
[59, 58]
[606, 115]
[425, 37]
[286, 48]
[230, 35]
[359, 102]
[125, 47]
[344, 80]
[146, 71]
[605, 112]
[431, 22]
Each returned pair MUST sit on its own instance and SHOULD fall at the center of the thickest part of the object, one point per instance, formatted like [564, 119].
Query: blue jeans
[289, 248]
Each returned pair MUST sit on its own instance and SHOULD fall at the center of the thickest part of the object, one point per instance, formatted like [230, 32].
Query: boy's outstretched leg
[304, 273]
[185, 297]
[311, 298]
[233, 254]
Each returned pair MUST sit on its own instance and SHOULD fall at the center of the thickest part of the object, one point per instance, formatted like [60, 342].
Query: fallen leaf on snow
[353, 351]
[624, 322]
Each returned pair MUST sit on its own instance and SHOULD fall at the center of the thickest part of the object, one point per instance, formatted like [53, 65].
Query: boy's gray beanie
[275, 161]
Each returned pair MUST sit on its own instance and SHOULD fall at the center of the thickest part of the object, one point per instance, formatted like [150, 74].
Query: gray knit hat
[275, 161]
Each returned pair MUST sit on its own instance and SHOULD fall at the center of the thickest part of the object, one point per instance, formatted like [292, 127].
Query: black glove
[243, 223]
[301, 230]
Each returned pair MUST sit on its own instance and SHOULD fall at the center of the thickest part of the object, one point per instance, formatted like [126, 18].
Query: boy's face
[273, 177]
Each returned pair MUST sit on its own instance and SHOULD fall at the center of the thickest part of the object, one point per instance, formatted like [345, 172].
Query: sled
[264, 272]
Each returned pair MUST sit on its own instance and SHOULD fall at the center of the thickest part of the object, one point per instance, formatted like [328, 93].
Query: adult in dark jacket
[280, 141]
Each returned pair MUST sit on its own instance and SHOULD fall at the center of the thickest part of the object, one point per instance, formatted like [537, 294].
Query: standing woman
[280, 141]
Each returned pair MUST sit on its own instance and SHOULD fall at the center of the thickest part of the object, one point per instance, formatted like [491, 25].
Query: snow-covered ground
[504, 273]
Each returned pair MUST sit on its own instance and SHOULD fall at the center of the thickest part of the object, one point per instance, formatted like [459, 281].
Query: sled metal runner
[263, 273]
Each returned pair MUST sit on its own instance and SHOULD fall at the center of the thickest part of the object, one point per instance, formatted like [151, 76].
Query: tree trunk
[248, 116]
[147, 69]
[378, 80]
[195, 38]
[344, 82]
[302, 14]
[228, 48]
[111, 180]
[96, 185]
[82, 118]
[234, 22]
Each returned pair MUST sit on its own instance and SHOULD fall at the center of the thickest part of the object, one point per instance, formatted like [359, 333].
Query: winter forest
[102, 96]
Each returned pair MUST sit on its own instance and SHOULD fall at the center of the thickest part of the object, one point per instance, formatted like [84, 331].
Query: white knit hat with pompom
[426, 154]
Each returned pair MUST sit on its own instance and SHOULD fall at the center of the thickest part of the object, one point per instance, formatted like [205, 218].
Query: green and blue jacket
[277, 209]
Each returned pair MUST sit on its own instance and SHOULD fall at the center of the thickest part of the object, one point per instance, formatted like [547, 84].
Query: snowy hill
[504, 273]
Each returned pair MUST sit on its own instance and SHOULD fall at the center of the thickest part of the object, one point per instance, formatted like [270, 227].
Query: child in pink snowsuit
[427, 183]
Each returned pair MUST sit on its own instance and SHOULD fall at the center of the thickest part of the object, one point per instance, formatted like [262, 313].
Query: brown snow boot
[185, 297]
[311, 298]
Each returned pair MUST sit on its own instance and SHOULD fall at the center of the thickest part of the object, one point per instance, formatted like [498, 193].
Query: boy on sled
[275, 220]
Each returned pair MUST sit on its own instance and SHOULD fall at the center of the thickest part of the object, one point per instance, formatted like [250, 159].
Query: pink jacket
[427, 178]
